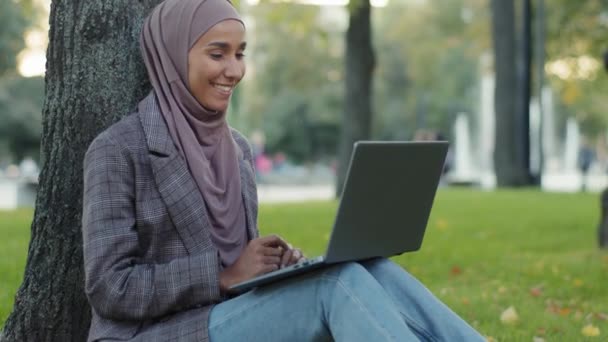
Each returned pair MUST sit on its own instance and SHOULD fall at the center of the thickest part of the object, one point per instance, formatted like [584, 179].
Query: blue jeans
[374, 300]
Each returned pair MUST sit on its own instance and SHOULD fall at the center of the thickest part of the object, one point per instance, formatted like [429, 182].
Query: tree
[13, 24]
[360, 62]
[20, 106]
[295, 88]
[94, 76]
[509, 155]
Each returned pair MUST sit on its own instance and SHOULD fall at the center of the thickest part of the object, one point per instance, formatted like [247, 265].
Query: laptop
[384, 207]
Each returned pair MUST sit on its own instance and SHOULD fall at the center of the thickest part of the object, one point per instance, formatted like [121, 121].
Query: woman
[170, 213]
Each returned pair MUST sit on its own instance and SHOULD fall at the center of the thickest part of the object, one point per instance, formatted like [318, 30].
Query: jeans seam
[414, 325]
[355, 299]
[375, 264]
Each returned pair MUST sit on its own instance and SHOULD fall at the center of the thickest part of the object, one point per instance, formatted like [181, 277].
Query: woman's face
[216, 64]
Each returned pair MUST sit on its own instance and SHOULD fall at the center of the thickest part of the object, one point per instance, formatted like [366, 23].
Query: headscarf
[201, 136]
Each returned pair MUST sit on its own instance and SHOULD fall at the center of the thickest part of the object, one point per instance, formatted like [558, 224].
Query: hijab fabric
[201, 136]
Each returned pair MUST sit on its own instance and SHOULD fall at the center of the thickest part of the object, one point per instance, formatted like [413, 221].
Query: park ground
[519, 265]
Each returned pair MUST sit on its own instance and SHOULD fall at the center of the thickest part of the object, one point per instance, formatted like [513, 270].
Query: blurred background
[434, 79]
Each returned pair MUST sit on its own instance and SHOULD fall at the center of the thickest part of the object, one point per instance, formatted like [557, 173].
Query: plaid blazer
[151, 270]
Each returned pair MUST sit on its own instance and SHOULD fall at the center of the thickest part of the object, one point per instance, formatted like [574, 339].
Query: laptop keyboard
[300, 264]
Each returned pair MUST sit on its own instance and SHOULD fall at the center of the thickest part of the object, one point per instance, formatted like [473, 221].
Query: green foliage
[576, 29]
[13, 23]
[297, 81]
[21, 101]
[483, 252]
[427, 70]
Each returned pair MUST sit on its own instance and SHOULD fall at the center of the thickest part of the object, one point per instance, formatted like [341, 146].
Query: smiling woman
[170, 217]
[216, 66]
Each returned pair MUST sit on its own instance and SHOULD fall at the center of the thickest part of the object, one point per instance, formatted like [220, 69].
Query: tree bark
[360, 61]
[95, 76]
[602, 231]
[510, 162]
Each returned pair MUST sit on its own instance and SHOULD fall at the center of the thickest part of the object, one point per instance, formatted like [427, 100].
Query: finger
[302, 257]
[286, 259]
[295, 256]
[270, 251]
[274, 241]
[270, 260]
[268, 268]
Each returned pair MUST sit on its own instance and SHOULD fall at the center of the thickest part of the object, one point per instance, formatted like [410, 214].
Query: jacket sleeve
[118, 283]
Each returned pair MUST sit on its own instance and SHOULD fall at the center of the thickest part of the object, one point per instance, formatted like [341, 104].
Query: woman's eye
[240, 55]
[216, 55]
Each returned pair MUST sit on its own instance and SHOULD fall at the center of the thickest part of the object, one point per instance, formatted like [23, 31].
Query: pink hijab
[201, 136]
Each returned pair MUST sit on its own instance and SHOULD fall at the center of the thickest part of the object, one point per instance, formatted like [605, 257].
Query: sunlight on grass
[484, 253]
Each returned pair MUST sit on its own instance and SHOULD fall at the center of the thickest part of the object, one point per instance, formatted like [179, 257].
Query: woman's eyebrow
[225, 46]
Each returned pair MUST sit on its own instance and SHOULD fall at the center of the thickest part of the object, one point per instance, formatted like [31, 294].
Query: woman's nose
[234, 69]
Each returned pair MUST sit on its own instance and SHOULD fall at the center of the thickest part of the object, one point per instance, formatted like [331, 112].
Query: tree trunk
[509, 155]
[359, 56]
[603, 226]
[95, 76]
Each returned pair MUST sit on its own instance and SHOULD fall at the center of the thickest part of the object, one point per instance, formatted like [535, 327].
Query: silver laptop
[384, 207]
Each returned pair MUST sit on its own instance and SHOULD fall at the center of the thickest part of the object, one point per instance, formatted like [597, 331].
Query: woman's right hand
[262, 255]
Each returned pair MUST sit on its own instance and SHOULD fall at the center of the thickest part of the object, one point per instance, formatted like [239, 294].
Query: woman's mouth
[224, 89]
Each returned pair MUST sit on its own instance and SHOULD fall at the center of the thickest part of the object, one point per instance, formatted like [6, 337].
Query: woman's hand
[262, 255]
[291, 256]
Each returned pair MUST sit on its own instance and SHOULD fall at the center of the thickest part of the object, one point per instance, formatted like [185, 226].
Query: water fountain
[462, 171]
[485, 129]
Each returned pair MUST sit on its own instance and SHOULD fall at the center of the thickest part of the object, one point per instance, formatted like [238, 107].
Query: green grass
[14, 240]
[483, 253]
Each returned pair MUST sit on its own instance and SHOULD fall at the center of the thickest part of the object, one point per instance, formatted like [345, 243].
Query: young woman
[170, 211]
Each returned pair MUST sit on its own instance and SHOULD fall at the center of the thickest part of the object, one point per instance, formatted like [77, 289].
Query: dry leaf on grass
[509, 316]
[590, 330]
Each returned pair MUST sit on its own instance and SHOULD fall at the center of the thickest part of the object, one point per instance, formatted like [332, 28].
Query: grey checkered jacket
[152, 272]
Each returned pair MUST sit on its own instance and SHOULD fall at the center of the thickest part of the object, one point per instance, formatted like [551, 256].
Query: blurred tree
[427, 64]
[21, 102]
[509, 158]
[94, 76]
[576, 41]
[360, 61]
[294, 80]
[13, 23]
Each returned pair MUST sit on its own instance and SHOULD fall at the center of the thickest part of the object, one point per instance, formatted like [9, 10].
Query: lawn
[484, 252]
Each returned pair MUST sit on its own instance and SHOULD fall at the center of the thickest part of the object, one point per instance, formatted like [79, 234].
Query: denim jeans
[375, 300]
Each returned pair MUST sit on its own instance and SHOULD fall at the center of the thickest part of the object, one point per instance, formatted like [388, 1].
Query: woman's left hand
[291, 256]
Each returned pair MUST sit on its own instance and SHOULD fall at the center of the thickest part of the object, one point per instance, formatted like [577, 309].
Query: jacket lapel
[249, 191]
[175, 183]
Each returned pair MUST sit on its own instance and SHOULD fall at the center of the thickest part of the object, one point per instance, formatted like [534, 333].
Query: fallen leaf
[578, 282]
[491, 339]
[602, 316]
[502, 289]
[536, 291]
[564, 311]
[466, 301]
[590, 330]
[456, 270]
[538, 339]
[509, 316]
